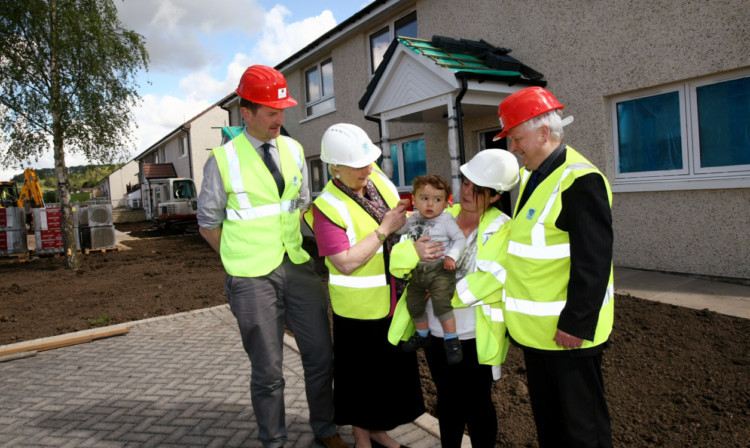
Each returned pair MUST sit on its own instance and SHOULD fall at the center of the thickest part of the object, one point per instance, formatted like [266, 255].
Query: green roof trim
[457, 62]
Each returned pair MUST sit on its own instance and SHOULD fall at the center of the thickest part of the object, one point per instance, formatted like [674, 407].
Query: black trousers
[464, 396]
[567, 397]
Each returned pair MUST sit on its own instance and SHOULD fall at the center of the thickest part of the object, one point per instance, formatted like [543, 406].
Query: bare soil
[675, 377]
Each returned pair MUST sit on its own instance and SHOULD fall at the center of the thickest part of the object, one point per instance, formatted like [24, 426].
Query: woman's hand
[428, 251]
[394, 219]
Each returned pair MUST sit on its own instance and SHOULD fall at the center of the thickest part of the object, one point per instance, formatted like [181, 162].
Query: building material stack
[48, 230]
[96, 226]
[13, 231]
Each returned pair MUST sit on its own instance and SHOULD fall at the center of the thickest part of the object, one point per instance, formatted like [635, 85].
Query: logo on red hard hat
[258, 85]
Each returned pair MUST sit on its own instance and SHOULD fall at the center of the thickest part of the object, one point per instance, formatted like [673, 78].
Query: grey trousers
[293, 294]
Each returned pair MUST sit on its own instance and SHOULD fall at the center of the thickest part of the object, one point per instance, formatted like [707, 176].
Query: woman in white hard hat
[464, 390]
[377, 387]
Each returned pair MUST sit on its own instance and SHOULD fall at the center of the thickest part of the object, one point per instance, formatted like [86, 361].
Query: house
[660, 92]
[181, 153]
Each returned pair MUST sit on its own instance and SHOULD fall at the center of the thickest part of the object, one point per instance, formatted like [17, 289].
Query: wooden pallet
[15, 258]
[103, 249]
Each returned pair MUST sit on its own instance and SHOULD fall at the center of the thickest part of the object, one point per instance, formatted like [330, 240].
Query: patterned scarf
[374, 204]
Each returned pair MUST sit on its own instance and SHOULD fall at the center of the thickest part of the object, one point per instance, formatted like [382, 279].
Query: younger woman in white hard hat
[464, 390]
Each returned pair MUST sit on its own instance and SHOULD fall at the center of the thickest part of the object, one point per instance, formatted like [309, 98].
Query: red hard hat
[523, 106]
[266, 86]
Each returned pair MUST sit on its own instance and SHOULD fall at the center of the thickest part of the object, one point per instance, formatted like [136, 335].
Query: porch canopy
[442, 80]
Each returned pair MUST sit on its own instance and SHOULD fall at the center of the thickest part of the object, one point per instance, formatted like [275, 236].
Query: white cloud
[158, 116]
[280, 40]
[178, 33]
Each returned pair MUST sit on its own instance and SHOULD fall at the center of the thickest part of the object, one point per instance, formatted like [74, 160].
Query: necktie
[268, 160]
[529, 188]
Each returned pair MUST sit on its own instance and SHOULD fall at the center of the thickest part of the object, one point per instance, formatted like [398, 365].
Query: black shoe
[453, 352]
[415, 342]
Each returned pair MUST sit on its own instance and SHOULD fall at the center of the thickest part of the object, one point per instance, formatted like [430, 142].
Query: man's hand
[566, 340]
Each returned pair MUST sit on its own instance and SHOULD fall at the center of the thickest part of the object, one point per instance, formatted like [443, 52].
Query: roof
[158, 170]
[467, 59]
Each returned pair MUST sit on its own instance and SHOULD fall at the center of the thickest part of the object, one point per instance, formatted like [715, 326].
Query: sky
[198, 50]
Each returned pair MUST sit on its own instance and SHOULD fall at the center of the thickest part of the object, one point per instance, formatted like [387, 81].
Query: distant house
[115, 186]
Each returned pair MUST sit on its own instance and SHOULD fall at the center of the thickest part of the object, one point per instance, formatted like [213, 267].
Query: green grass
[99, 321]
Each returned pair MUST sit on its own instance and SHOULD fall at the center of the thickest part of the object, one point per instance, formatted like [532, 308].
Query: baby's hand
[449, 264]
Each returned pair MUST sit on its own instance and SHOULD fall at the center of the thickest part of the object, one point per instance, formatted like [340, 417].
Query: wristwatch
[381, 236]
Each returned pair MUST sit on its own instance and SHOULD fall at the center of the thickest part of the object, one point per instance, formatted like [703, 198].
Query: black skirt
[375, 385]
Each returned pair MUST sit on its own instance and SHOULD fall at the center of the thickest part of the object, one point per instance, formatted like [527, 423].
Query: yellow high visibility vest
[259, 226]
[366, 292]
[538, 262]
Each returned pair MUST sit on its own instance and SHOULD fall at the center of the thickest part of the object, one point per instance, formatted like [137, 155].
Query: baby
[438, 277]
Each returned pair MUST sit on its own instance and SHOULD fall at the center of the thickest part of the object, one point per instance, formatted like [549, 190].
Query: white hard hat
[349, 145]
[493, 168]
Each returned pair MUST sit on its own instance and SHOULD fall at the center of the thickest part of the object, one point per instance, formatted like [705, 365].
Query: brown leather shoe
[332, 442]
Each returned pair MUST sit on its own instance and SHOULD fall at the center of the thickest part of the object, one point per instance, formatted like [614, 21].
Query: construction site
[674, 376]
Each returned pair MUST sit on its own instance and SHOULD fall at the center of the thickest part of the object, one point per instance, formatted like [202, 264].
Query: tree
[67, 78]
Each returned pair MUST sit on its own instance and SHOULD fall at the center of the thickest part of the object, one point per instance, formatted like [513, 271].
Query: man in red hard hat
[249, 212]
[559, 289]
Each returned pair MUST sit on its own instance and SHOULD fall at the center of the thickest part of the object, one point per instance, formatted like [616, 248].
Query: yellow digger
[30, 196]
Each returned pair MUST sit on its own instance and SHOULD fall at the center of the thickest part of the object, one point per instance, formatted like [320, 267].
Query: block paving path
[175, 381]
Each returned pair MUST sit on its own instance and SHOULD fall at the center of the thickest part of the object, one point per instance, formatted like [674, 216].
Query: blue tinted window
[414, 160]
[724, 123]
[649, 134]
[394, 159]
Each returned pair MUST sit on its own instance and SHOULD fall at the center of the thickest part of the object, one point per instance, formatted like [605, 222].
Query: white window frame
[183, 146]
[324, 98]
[391, 25]
[692, 176]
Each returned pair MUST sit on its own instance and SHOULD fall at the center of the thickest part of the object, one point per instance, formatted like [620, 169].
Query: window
[409, 161]
[380, 40]
[183, 146]
[686, 136]
[486, 142]
[319, 88]
[318, 172]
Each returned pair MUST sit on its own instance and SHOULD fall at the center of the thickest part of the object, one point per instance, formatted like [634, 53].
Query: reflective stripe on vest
[247, 211]
[532, 308]
[538, 249]
[372, 281]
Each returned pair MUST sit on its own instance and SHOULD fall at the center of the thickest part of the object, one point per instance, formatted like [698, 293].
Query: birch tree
[68, 83]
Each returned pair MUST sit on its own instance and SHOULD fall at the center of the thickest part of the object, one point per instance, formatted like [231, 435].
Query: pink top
[331, 238]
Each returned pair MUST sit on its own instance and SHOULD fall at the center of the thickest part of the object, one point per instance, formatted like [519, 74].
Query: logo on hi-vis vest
[282, 92]
[530, 214]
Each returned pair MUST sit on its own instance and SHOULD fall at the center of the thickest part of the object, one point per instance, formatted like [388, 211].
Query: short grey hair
[552, 119]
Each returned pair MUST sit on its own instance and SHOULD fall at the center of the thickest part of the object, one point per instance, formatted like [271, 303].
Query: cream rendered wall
[118, 181]
[205, 134]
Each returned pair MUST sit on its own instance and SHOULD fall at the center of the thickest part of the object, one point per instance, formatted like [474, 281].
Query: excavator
[30, 196]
